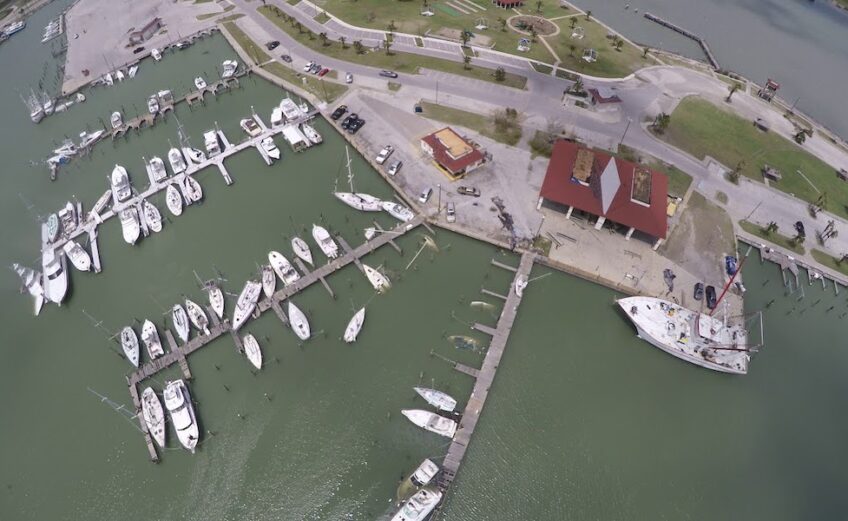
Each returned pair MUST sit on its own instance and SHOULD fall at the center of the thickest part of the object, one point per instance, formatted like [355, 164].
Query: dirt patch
[524, 23]
[456, 35]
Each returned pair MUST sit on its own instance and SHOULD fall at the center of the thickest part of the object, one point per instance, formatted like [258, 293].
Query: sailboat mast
[349, 172]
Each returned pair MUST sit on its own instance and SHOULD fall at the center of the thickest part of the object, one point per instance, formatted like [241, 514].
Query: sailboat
[178, 403]
[437, 399]
[197, 316]
[359, 201]
[175, 157]
[152, 216]
[174, 200]
[55, 272]
[299, 323]
[431, 421]
[130, 227]
[193, 189]
[269, 281]
[156, 169]
[354, 326]
[31, 281]
[180, 322]
[154, 415]
[129, 343]
[194, 155]
[251, 349]
[246, 303]
[216, 300]
[78, 256]
[379, 281]
[283, 268]
[325, 242]
[398, 211]
[150, 337]
[311, 134]
[301, 249]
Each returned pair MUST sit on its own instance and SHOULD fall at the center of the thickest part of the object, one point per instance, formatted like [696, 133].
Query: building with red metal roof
[452, 153]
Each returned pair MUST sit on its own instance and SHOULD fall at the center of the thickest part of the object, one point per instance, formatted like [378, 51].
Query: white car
[394, 168]
[384, 154]
[308, 66]
[348, 78]
[451, 213]
[425, 195]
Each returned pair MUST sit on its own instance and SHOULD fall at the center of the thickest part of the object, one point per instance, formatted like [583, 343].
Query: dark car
[138, 49]
[355, 126]
[339, 112]
[286, 58]
[272, 45]
[699, 291]
[799, 227]
[730, 265]
[348, 121]
[468, 190]
[388, 74]
[316, 68]
[711, 297]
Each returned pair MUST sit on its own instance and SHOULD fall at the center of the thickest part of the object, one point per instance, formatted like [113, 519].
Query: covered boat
[325, 242]
[437, 399]
[398, 211]
[130, 226]
[251, 349]
[246, 303]
[283, 268]
[197, 316]
[152, 216]
[55, 269]
[299, 323]
[78, 256]
[354, 326]
[178, 403]
[301, 249]
[129, 343]
[150, 337]
[431, 421]
[378, 281]
[175, 157]
[53, 226]
[154, 416]
[181, 325]
[174, 200]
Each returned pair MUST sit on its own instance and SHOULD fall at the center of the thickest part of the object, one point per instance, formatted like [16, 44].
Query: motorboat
[131, 72]
[269, 281]
[89, 138]
[356, 201]
[48, 105]
[36, 113]
[108, 80]
[150, 337]
[78, 256]
[325, 242]
[437, 399]
[154, 416]
[354, 326]
[53, 227]
[55, 269]
[398, 211]
[298, 321]
[181, 324]
[378, 281]
[156, 54]
[270, 147]
[520, 283]
[311, 134]
[194, 155]
[213, 147]
[32, 282]
[250, 126]
[291, 111]
[424, 474]
[117, 120]
[229, 68]
[246, 303]
[301, 249]
[119, 75]
[152, 216]
[178, 403]
[156, 169]
[200, 83]
[68, 217]
[193, 189]
[277, 117]
[130, 227]
[419, 506]
[197, 316]
[175, 157]
[153, 104]
[216, 300]
[431, 421]
[251, 349]
[68, 148]
[13, 28]
[174, 200]
[129, 343]
[121, 184]
[166, 97]
[283, 268]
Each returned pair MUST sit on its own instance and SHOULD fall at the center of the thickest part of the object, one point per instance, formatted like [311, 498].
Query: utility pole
[439, 204]
[542, 222]
[625, 132]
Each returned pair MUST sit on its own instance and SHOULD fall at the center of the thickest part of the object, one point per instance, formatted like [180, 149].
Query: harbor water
[584, 420]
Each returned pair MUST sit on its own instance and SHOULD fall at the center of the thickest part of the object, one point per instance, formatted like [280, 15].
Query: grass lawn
[322, 18]
[325, 90]
[774, 237]
[397, 61]
[827, 259]
[549, 9]
[256, 52]
[484, 124]
[701, 128]
[611, 63]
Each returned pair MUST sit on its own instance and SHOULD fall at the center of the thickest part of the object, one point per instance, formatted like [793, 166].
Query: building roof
[451, 151]
[619, 190]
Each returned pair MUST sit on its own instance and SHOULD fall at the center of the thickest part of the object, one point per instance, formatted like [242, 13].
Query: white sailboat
[436, 398]
[299, 323]
[130, 227]
[129, 343]
[283, 268]
[150, 337]
[152, 216]
[55, 272]
[116, 120]
[246, 303]
[121, 188]
[156, 169]
[210, 139]
[431, 421]
[32, 282]
[174, 200]
[216, 300]
[175, 157]
[325, 242]
[398, 211]
[270, 147]
[194, 155]
[311, 134]
[197, 316]
[379, 281]
[178, 403]
[200, 83]
[356, 201]
[78, 256]
[269, 281]
[354, 326]
[180, 318]
[193, 189]
[419, 506]
[301, 249]
[154, 416]
[251, 349]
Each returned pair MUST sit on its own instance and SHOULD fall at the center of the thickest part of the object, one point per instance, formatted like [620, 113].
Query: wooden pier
[700, 41]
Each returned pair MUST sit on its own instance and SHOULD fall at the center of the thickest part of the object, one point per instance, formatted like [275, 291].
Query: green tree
[342, 41]
[588, 15]
[299, 27]
[465, 36]
[573, 22]
[571, 49]
[324, 38]
[502, 22]
[533, 34]
[466, 60]
[387, 44]
[800, 137]
[357, 46]
[500, 74]
[392, 27]
[619, 44]
[539, 6]
[645, 52]
[732, 90]
[661, 122]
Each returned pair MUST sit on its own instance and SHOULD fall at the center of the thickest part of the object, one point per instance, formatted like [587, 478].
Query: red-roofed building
[452, 153]
[607, 188]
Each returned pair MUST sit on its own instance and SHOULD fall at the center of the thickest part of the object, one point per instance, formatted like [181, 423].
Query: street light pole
[439, 204]
[625, 132]
[539, 230]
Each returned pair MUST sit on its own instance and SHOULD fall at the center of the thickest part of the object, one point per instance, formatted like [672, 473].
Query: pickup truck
[468, 190]
[384, 154]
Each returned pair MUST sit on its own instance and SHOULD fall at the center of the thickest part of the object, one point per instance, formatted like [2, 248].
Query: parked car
[308, 66]
[348, 120]
[286, 58]
[348, 78]
[272, 45]
[711, 297]
[451, 213]
[699, 291]
[316, 68]
[388, 74]
[138, 49]
[339, 112]
[394, 168]
[384, 154]
[730, 264]
[468, 190]
[425, 195]
[355, 126]
[323, 72]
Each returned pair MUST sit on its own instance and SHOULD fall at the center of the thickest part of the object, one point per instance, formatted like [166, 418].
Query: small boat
[354, 326]
[356, 201]
[36, 113]
[269, 281]
[431, 421]
[108, 80]
[325, 242]
[130, 227]
[55, 269]
[299, 323]
[200, 83]
[193, 189]
[154, 416]
[197, 316]
[246, 303]
[153, 105]
[117, 120]
[194, 155]
[379, 281]
[424, 473]
[283, 268]
[270, 147]
[150, 337]
[419, 506]
[178, 403]
[251, 349]
[174, 200]
[216, 300]
[157, 170]
[175, 157]
[277, 116]
[156, 54]
[78, 256]
[178, 314]
[311, 134]
[437, 399]
[301, 249]
[68, 148]
[213, 147]
[53, 227]
[32, 282]
[230, 67]
[520, 283]
[48, 105]
[166, 97]
[129, 343]
[398, 211]
[121, 188]
[13, 28]
[131, 72]
[152, 216]
[119, 75]
[250, 126]
[89, 138]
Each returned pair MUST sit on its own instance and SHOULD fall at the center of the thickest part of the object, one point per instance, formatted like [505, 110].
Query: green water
[584, 422]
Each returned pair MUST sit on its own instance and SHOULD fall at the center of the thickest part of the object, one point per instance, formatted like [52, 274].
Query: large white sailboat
[431, 421]
[325, 242]
[398, 211]
[181, 324]
[154, 415]
[193, 189]
[121, 189]
[174, 200]
[269, 281]
[150, 337]
[152, 216]
[78, 256]
[437, 399]
[251, 349]
[301, 249]
[178, 403]
[419, 506]
[178, 164]
[129, 343]
[299, 323]
[378, 281]
[360, 201]
[32, 282]
[55, 269]
[216, 299]
[246, 303]
[197, 316]
[354, 326]
[130, 226]
[283, 268]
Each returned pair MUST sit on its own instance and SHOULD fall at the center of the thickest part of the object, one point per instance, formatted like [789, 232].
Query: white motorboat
[424, 473]
[290, 109]
[174, 200]
[89, 138]
[298, 321]
[283, 268]
[129, 343]
[200, 83]
[194, 155]
[311, 134]
[269, 281]
[193, 189]
[108, 79]
[378, 281]
[32, 282]
[270, 147]
[178, 403]
[153, 104]
[48, 105]
[154, 415]
[301, 249]
[419, 506]
[246, 303]
[175, 157]
[431, 421]
[156, 169]
[354, 326]
[36, 113]
[130, 227]
[398, 211]
[152, 216]
[181, 325]
[213, 147]
[197, 316]
[520, 283]
[117, 120]
[437, 399]
[55, 269]
[166, 97]
[121, 188]
[277, 117]
[78, 256]
[53, 227]
[132, 71]
[356, 201]
[250, 126]
[229, 68]
[325, 242]
[119, 75]
[251, 349]
[150, 337]
[216, 300]
[156, 54]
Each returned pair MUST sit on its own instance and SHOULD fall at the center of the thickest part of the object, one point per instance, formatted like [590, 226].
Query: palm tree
[342, 40]
[571, 49]
[733, 89]
[388, 46]
[465, 36]
[299, 27]
[392, 26]
[588, 15]
[357, 46]
[500, 74]
[573, 22]
[532, 33]
[661, 122]
[539, 6]
[619, 44]
[502, 22]
[323, 37]
[645, 52]
[466, 60]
